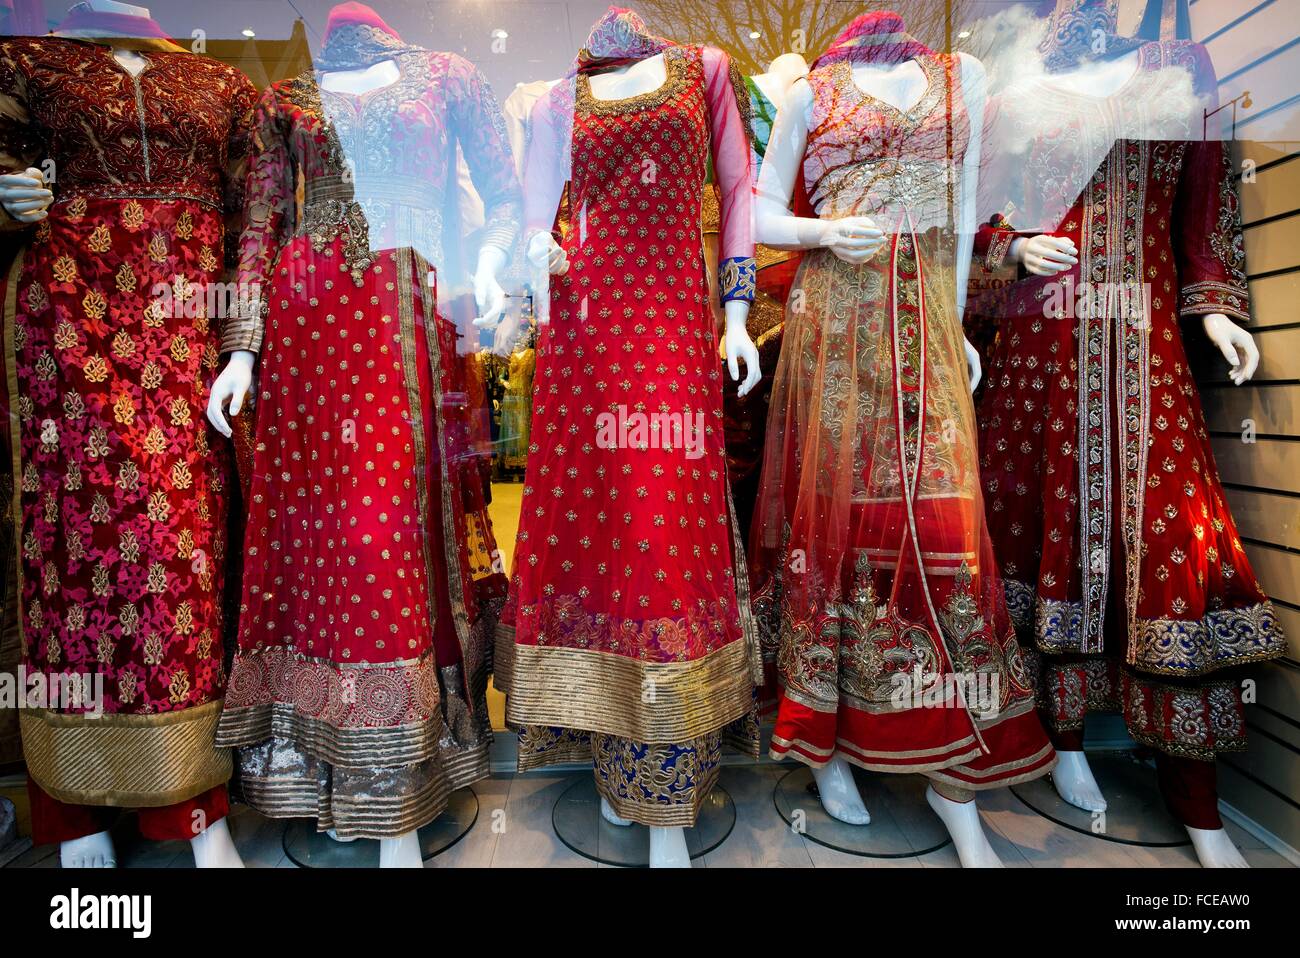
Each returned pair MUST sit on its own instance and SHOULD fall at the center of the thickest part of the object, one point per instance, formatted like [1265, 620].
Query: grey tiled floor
[514, 829]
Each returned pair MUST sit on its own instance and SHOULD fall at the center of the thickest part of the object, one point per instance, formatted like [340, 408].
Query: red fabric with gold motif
[122, 489]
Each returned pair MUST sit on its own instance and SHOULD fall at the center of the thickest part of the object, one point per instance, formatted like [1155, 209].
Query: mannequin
[1138, 591]
[653, 759]
[391, 542]
[895, 74]
[26, 200]
[667, 845]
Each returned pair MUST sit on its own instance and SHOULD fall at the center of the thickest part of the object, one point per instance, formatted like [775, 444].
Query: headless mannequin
[667, 845]
[856, 239]
[26, 198]
[232, 384]
[234, 381]
[1046, 255]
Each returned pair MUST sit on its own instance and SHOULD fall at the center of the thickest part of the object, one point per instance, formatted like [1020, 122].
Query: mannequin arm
[853, 238]
[1232, 341]
[232, 385]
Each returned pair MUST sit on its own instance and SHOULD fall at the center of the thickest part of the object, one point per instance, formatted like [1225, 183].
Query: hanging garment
[120, 497]
[873, 573]
[626, 637]
[1122, 562]
[357, 696]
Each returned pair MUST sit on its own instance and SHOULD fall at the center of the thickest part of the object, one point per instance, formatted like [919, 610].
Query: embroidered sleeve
[729, 139]
[481, 130]
[21, 145]
[268, 219]
[1208, 245]
[242, 104]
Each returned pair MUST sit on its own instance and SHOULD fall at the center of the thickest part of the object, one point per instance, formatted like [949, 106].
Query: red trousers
[1189, 787]
[54, 821]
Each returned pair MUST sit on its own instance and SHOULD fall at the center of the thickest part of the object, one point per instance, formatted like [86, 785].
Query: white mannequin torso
[362, 81]
[644, 76]
[1097, 79]
[900, 85]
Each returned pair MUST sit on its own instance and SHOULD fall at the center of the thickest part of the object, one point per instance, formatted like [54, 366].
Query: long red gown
[1123, 565]
[357, 695]
[121, 484]
[627, 634]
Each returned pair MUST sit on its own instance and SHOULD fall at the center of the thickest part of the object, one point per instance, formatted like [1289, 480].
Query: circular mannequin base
[902, 824]
[1135, 812]
[308, 848]
[579, 824]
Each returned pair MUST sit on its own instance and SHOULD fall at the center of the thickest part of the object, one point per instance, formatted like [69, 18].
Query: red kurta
[1103, 497]
[122, 495]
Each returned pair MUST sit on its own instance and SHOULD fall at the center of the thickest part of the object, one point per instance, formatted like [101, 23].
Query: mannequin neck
[780, 76]
[644, 76]
[900, 85]
[1100, 78]
[362, 80]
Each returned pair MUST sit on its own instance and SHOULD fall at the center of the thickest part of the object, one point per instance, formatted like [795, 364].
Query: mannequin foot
[342, 840]
[668, 848]
[839, 793]
[607, 813]
[92, 851]
[214, 848]
[962, 820]
[400, 852]
[1073, 781]
[1215, 849]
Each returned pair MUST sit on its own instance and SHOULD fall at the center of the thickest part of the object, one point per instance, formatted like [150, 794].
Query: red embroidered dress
[626, 633]
[1104, 500]
[357, 694]
[874, 581]
[121, 492]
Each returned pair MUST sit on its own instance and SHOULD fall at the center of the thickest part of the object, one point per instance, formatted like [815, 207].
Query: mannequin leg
[839, 793]
[956, 807]
[668, 848]
[201, 821]
[1190, 790]
[401, 852]
[607, 812]
[1072, 778]
[81, 831]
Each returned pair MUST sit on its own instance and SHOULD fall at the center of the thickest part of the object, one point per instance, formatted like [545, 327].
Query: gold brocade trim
[15, 435]
[128, 761]
[651, 702]
[343, 747]
[743, 102]
[413, 267]
[674, 73]
[662, 815]
[748, 627]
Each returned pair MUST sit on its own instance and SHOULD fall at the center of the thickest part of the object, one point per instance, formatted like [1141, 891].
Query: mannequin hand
[25, 196]
[854, 239]
[739, 346]
[232, 384]
[1232, 340]
[489, 297]
[547, 255]
[973, 366]
[1045, 255]
[507, 334]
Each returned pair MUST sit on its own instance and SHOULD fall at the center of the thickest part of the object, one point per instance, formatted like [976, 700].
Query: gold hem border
[603, 692]
[126, 761]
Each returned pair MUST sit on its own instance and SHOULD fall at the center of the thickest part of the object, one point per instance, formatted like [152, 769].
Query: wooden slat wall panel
[1275, 299]
[1275, 190]
[1264, 476]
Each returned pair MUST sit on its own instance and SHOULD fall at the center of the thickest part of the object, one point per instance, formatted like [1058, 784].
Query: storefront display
[405, 395]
